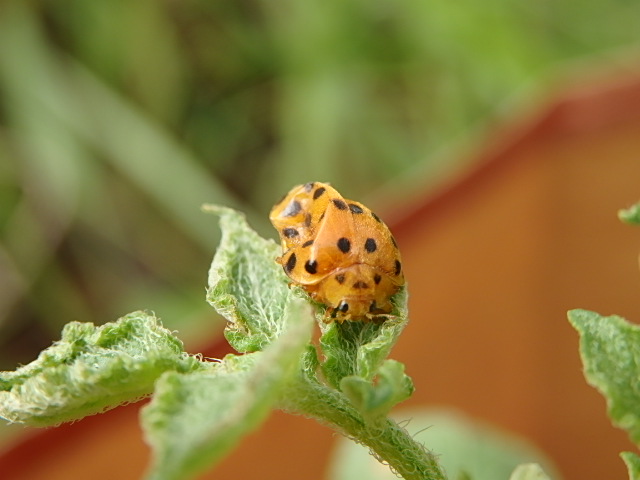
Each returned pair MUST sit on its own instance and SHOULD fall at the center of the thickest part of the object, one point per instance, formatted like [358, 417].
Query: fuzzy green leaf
[359, 348]
[355, 364]
[92, 369]
[374, 400]
[196, 418]
[630, 215]
[246, 286]
[610, 351]
[633, 464]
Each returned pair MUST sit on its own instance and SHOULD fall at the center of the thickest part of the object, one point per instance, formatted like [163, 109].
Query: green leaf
[633, 464]
[529, 471]
[630, 215]
[246, 285]
[92, 369]
[196, 418]
[354, 361]
[359, 348]
[374, 400]
[610, 351]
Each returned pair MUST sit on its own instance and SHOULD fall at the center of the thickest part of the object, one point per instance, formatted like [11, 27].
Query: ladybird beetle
[338, 251]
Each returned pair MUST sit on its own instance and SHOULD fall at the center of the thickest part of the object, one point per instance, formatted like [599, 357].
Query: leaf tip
[632, 461]
[219, 210]
[578, 317]
[630, 215]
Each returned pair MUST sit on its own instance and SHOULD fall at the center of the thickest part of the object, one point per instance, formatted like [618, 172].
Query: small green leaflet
[355, 364]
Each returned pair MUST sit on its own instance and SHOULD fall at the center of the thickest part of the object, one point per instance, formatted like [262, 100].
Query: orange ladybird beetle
[338, 251]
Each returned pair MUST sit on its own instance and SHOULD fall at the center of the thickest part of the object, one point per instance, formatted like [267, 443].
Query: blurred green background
[119, 118]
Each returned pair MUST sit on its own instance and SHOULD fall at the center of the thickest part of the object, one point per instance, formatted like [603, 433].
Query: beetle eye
[373, 307]
[343, 307]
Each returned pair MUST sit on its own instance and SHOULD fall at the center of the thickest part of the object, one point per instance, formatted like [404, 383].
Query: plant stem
[389, 442]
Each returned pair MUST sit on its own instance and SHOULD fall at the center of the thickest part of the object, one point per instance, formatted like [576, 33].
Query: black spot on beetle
[319, 192]
[291, 263]
[355, 208]
[307, 243]
[393, 240]
[340, 205]
[370, 245]
[290, 232]
[360, 285]
[377, 278]
[344, 244]
[311, 266]
[307, 220]
[292, 209]
[376, 217]
[398, 267]
[340, 278]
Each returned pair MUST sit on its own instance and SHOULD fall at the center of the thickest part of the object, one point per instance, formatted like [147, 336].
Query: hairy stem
[389, 442]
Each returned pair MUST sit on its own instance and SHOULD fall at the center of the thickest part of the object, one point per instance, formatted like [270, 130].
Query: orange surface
[492, 278]
[493, 265]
